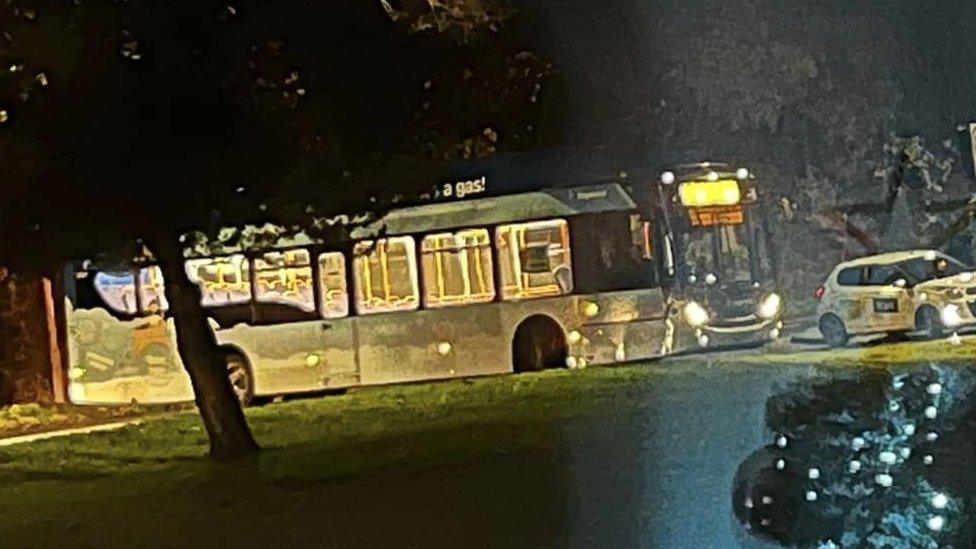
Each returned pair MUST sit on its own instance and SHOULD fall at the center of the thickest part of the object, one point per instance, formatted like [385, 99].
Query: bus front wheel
[239, 375]
[539, 344]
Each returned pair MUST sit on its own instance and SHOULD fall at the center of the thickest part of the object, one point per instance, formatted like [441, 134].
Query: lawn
[342, 424]
[364, 433]
[341, 455]
[361, 416]
[961, 349]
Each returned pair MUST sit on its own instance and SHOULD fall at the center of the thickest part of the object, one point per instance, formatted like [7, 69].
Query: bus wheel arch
[240, 373]
[539, 343]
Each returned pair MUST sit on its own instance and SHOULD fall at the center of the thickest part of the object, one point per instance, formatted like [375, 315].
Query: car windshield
[921, 269]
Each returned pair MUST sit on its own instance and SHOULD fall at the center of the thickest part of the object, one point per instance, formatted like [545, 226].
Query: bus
[719, 257]
[487, 285]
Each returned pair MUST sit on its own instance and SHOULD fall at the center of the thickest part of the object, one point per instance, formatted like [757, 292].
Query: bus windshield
[725, 251]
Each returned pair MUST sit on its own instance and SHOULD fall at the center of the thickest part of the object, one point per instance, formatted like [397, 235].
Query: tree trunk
[230, 436]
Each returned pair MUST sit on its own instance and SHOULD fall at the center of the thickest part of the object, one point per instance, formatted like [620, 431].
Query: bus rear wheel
[239, 375]
[539, 344]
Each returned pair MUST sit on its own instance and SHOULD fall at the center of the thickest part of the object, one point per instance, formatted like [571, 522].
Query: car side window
[882, 275]
[850, 276]
[919, 269]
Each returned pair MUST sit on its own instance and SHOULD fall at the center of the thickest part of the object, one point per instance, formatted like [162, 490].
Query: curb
[21, 439]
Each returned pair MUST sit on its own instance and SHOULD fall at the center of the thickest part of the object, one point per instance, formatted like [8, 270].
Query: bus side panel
[113, 361]
[298, 356]
[611, 327]
[432, 344]
[564, 310]
[629, 325]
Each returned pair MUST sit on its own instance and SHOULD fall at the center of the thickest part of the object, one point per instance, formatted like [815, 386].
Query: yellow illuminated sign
[702, 194]
[724, 215]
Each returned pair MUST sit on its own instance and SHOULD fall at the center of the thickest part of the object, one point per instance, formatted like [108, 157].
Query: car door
[885, 300]
[849, 298]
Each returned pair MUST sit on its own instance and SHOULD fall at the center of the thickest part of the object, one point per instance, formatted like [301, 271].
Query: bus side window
[534, 259]
[386, 275]
[117, 290]
[457, 268]
[332, 280]
[222, 280]
[285, 278]
[151, 290]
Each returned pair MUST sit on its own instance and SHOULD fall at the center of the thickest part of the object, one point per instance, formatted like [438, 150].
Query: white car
[912, 291]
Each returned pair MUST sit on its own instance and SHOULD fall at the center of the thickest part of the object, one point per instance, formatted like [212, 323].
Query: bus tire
[833, 330]
[539, 344]
[240, 378]
[928, 322]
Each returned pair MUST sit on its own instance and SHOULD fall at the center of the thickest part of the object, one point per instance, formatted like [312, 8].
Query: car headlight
[695, 314]
[951, 316]
[769, 307]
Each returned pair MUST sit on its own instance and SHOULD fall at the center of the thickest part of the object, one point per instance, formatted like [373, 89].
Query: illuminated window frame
[460, 247]
[333, 301]
[237, 291]
[292, 283]
[512, 241]
[123, 301]
[152, 287]
[376, 296]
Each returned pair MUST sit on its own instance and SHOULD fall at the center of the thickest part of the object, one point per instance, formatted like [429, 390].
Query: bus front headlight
[950, 315]
[769, 307]
[695, 314]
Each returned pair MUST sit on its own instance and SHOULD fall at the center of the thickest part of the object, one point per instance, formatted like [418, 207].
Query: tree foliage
[871, 459]
[139, 122]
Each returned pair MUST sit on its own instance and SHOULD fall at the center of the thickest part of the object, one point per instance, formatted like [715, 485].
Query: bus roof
[501, 209]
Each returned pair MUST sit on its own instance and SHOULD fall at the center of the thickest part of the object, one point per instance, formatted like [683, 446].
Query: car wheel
[833, 330]
[929, 323]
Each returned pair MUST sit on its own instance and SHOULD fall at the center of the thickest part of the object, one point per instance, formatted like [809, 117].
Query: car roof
[886, 258]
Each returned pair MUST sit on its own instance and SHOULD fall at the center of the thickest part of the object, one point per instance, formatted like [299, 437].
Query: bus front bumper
[718, 337]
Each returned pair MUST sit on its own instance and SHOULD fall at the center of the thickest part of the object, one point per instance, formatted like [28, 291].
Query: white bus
[547, 279]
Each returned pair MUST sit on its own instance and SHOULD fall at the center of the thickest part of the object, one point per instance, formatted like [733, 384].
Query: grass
[379, 418]
[311, 445]
[160, 466]
[22, 419]
[342, 425]
[904, 352]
